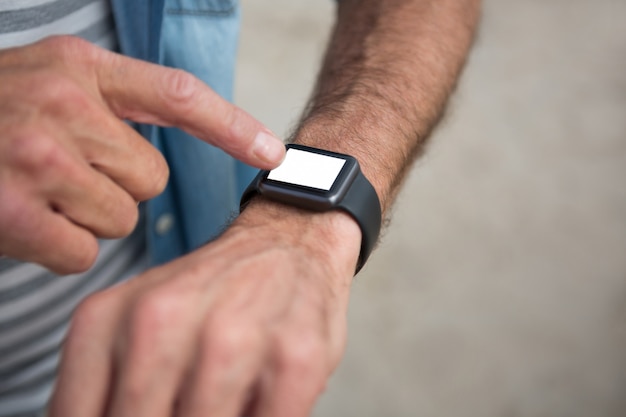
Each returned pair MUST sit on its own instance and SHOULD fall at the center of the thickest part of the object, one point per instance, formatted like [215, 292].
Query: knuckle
[134, 393]
[81, 260]
[34, 151]
[242, 128]
[129, 220]
[163, 174]
[53, 92]
[228, 340]
[305, 358]
[304, 355]
[154, 327]
[180, 87]
[154, 311]
[234, 116]
[61, 96]
[159, 175]
[52, 158]
[126, 218]
[89, 314]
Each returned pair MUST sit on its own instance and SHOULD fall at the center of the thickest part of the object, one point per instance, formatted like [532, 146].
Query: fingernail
[268, 148]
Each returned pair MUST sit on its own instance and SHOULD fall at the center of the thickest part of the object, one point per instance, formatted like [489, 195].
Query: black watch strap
[360, 201]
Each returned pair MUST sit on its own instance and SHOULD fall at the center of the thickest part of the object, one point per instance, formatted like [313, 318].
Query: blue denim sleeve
[199, 36]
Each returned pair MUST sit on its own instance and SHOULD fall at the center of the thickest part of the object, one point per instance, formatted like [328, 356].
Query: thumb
[149, 93]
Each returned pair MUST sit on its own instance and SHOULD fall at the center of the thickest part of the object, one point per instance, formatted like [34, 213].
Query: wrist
[332, 238]
[352, 137]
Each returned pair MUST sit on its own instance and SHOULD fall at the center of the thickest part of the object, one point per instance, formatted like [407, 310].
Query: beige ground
[500, 289]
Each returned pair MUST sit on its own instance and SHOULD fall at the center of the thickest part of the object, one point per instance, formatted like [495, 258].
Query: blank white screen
[308, 169]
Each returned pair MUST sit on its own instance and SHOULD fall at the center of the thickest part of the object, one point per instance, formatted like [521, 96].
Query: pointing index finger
[149, 93]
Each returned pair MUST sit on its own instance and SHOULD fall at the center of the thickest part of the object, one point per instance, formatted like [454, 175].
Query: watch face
[308, 169]
[310, 178]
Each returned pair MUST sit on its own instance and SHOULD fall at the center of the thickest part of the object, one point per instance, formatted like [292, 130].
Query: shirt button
[164, 224]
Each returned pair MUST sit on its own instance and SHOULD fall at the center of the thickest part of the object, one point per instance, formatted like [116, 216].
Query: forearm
[388, 71]
[260, 313]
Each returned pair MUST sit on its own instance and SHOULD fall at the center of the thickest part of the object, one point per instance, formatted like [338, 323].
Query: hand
[71, 169]
[254, 321]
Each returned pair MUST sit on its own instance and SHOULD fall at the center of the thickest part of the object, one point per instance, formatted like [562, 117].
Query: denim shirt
[199, 36]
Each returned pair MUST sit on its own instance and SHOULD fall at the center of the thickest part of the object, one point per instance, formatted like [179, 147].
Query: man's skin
[256, 320]
[71, 169]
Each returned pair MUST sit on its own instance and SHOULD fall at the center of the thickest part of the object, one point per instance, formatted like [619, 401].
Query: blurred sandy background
[500, 288]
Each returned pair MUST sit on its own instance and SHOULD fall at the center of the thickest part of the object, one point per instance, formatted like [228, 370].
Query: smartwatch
[319, 180]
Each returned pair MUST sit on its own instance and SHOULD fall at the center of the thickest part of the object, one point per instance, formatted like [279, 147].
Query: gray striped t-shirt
[35, 305]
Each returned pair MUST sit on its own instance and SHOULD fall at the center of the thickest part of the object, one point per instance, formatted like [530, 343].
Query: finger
[65, 99]
[154, 94]
[299, 370]
[33, 232]
[229, 364]
[89, 198]
[86, 368]
[287, 393]
[118, 151]
[160, 336]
